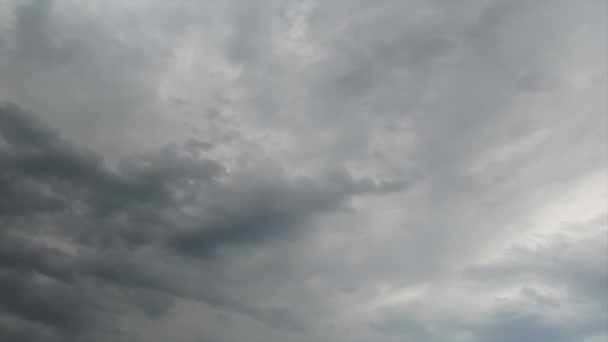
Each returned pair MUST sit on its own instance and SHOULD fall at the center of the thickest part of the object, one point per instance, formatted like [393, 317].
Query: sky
[312, 170]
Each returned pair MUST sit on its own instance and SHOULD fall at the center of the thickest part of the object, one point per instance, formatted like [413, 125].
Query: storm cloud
[303, 171]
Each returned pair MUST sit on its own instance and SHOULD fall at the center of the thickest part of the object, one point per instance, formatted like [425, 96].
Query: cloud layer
[303, 171]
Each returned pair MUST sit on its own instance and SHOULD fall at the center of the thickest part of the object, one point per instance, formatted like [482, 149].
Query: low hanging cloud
[168, 203]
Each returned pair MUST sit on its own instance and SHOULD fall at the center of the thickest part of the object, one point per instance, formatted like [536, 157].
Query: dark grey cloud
[51, 304]
[256, 209]
[57, 191]
[518, 327]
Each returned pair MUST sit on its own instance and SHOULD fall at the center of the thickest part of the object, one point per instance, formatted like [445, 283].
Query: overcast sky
[306, 171]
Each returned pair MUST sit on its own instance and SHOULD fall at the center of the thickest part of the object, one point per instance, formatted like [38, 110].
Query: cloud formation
[303, 171]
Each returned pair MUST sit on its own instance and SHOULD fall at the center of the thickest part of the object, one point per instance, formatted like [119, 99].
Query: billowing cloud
[303, 171]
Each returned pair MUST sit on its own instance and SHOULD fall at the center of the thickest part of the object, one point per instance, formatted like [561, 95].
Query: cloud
[303, 171]
[168, 200]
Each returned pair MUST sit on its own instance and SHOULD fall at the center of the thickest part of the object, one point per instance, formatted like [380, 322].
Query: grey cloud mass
[340, 171]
